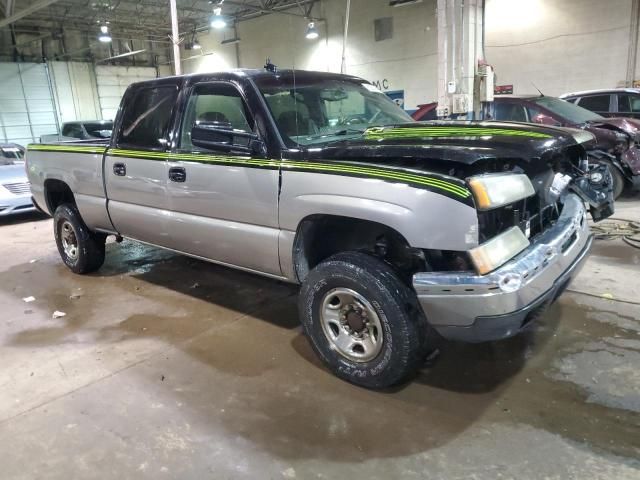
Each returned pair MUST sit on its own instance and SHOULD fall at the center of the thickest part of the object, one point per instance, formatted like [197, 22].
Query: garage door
[27, 109]
[113, 81]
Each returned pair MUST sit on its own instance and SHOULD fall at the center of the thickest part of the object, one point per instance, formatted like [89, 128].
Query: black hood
[459, 142]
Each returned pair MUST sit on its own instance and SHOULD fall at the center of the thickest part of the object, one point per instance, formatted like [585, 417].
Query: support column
[175, 38]
[460, 52]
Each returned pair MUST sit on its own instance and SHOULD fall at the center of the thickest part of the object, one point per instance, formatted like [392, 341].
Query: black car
[615, 102]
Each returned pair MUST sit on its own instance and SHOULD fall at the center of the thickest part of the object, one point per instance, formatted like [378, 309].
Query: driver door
[224, 207]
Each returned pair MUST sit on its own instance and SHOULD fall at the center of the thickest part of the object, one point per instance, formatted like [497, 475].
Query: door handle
[120, 169]
[177, 174]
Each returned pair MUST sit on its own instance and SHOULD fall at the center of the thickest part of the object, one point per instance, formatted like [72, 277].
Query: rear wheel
[364, 323]
[80, 249]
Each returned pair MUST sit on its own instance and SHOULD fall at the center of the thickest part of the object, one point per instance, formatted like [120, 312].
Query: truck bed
[77, 164]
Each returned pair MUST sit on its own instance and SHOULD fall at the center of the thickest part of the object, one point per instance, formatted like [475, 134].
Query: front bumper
[477, 308]
[15, 204]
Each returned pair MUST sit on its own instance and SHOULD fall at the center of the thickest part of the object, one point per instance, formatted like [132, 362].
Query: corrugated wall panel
[113, 81]
[27, 109]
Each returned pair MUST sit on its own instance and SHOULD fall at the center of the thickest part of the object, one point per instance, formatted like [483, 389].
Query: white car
[15, 192]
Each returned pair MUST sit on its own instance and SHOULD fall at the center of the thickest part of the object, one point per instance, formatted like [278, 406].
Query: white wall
[560, 45]
[407, 61]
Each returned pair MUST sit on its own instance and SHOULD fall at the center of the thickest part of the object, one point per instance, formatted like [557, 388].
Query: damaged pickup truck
[396, 231]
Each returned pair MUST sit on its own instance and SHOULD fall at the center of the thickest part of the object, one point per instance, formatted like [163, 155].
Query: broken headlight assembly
[595, 187]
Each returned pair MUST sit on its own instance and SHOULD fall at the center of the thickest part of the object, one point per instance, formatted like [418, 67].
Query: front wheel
[80, 249]
[363, 322]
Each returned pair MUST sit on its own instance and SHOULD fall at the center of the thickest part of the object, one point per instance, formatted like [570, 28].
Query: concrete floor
[167, 367]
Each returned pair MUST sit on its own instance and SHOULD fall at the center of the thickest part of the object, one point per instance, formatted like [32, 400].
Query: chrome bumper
[470, 307]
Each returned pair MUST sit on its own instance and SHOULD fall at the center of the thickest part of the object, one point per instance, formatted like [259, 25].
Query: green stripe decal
[328, 167]
[380, 133]
[66, 148]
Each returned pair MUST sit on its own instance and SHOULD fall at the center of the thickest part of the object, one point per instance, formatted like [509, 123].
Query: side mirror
[546, 120]
[222, 137]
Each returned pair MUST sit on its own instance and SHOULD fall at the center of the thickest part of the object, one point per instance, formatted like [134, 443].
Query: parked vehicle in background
[12, 151]
[393, 228]
[426, 111]
[616, 138]
[613, 102]
[15, 194]
[81, 130]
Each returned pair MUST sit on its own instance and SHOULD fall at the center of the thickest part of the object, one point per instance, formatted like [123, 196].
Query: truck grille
[531, 215]
[18, 188]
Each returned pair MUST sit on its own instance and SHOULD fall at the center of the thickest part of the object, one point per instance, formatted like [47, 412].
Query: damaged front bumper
[475, 308]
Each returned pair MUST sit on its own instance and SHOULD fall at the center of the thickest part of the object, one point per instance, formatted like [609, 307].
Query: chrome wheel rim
[351, 325]
[69, 240]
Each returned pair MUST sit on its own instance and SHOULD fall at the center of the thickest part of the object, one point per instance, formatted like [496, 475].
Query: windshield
[99, 130]
[327, 110]
[8, 155]
[567, 110]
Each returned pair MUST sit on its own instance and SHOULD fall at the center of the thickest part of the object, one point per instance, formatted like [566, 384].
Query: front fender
[426, 219]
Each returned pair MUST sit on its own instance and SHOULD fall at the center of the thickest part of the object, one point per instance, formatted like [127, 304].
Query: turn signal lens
[497, 251]
[495, 190]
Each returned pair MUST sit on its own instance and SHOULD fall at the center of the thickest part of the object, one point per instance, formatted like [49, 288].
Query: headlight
[494, 253]
[498, 189]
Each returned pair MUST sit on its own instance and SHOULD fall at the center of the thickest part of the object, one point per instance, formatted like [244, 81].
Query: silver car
[15, 194]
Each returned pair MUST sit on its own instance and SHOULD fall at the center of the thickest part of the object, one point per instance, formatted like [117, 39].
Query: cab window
[220, 103]
[145, 122]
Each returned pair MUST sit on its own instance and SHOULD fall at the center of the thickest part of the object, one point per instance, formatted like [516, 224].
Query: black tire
[619, 181]
[405, 333]
[90, 252]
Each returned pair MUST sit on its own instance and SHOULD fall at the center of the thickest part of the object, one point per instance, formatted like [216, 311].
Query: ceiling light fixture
[312, 31]
[217, 20]
[104, 36]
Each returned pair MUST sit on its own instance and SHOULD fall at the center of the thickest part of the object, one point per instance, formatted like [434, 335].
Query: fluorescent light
[312, 31]
[104, 35]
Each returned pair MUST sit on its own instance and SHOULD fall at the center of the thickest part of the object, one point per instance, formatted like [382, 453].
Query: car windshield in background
[9, 155]
[99, 130]
[567, 110]
[328, 110]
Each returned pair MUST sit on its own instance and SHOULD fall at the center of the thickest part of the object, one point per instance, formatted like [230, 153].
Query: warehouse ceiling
[36, 29]
[146, 17]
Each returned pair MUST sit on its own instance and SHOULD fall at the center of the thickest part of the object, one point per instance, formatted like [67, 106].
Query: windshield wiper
[347, 131]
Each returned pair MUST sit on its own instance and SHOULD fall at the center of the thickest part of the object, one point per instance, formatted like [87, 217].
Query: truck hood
[458, 142]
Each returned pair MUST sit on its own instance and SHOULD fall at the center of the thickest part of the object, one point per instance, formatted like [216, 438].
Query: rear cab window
[147, 117]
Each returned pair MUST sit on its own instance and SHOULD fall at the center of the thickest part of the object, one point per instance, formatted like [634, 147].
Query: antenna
[539, 91]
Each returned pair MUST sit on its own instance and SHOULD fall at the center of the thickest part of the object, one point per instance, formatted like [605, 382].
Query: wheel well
[56, 193]
[320, 236]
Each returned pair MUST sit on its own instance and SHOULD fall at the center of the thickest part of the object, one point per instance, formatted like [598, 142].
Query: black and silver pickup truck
[396, 231]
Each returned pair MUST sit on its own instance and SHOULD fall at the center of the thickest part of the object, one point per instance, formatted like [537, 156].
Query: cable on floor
[613, 228]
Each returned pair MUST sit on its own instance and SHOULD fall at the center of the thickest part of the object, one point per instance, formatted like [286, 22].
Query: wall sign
[381, 84]
[397, 96]
[503, 89]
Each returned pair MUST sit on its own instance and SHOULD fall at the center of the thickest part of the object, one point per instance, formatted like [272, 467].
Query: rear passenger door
[224, 206]
[135, 168]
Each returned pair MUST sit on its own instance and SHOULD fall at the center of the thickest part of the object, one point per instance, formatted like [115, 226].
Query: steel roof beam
[25, 12]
